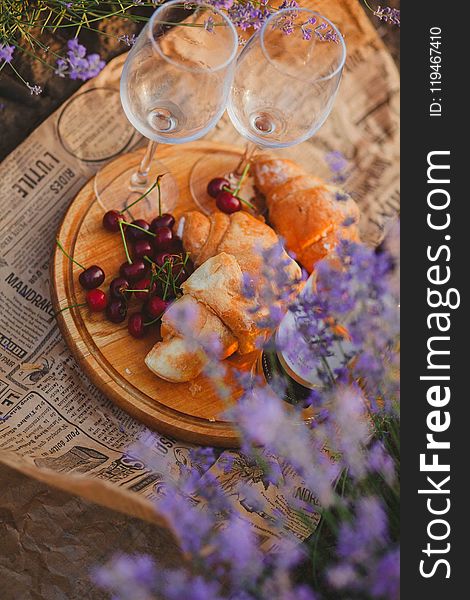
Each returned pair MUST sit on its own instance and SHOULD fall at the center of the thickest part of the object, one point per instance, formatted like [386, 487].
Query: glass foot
[219, 164]
[114, 190]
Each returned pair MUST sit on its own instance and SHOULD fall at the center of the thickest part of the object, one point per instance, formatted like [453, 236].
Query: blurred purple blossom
[350, 312]
[278, 448]
[78, 65]
[6, 53]
[338, 165]
[131, 577]
[366, 564]
[359, 540]
[386, 577]
[379, 461]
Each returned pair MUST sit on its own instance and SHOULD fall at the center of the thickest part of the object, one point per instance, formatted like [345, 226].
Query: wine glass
[174, 88]
[285, 83]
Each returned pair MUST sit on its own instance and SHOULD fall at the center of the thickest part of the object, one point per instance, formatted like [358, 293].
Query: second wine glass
[285, 84]
[174, 88]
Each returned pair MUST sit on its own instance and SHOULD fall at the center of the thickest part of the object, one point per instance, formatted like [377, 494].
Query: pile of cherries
[155, 268]
[156, 264]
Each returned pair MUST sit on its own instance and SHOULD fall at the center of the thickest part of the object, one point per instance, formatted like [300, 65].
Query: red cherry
[91, 278]
[133, 234]
[176, 246]
[163, 238]
[142, 248]
[116, 311]
[96, 300]
[144, 285]
[228, 203]
[164, 220]
[111, 220]
[216, 185]
[118, 287]
[162, 257]
[135, 325]
[133, 271]
[155, 307]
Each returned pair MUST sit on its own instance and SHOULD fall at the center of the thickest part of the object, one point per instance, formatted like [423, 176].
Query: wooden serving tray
[112, 359]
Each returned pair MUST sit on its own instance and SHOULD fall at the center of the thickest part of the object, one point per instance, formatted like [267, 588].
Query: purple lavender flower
[35, 90]
[192, 526]
[350, 312]
[359, 540]
[132, 577]
[386, 577]
[288, 4]
[221, 4]
[337, 164]
[209, 24]
[388, 15]
[179, 585]
[6, 53]
[347, 428]
[126, 39]
[346, 324]
[204, 456]
[238, 547]
[78, 65]
[379, 461]
[249, 14]
[95, 65]
[75, 48]
[306, 33]
[343, 576]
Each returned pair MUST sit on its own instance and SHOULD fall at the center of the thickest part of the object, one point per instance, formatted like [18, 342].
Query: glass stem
[139, 179]
[247, 157]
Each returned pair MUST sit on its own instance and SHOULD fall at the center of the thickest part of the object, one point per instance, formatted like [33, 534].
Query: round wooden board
[112, 359]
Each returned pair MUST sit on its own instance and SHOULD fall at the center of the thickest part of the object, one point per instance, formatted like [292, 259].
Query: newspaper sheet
[54, 424]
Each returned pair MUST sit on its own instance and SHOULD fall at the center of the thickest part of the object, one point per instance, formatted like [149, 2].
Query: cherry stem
[138, 227]
[156, 183]
[242, 179]
[69, 307]
[129, 260]
[167, 269]
[235, 195]
[159, 198]
[68, 255]
[167, 283]
[141, 290]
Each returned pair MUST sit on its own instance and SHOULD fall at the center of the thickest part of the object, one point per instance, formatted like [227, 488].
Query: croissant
[239, 234]
[213, 310]
[308, 213]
